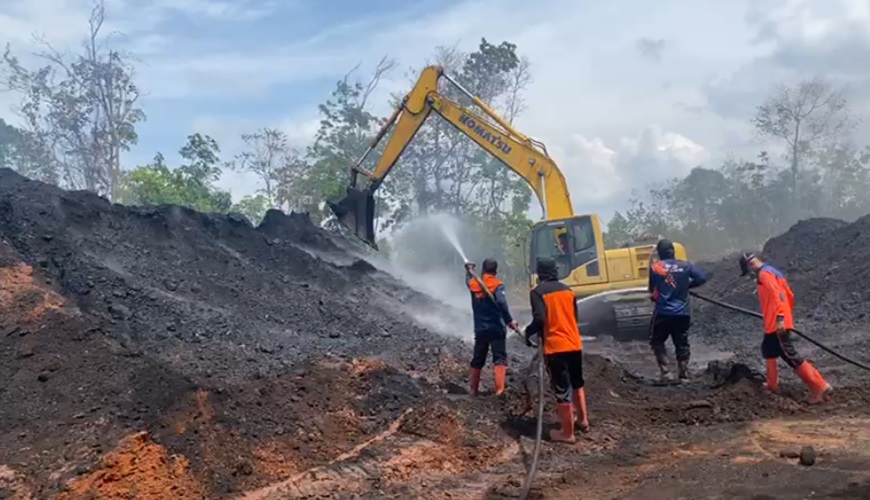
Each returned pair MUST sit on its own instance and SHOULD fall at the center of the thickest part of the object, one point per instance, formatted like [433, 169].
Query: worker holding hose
[554, 319]
[670, 280]
[492, 317]
[777, 306]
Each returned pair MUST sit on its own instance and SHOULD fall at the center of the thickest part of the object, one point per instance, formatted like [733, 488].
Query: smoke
[423, 257]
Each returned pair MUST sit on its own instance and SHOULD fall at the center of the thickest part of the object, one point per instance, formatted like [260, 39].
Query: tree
[9, 140]
[253, 207]
[345, 133]
[79, 111]
[448, 172]
[267, 154]
[806, 117]
[190, 185]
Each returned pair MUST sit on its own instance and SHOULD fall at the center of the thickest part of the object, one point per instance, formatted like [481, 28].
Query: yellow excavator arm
[617, 278]
[523, 155]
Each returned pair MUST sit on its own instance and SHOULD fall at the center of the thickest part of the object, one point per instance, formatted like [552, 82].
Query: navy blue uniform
[670, 281]
[490, 320]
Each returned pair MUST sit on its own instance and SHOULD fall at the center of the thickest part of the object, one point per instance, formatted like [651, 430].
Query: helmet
[745, 258]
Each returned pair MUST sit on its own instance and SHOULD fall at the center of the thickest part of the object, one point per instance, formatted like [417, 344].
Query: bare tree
[80, 109]
[519, 80]
[806, 117]
[267, 154]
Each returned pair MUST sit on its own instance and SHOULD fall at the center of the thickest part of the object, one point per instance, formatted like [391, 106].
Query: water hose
[539, 358]
[796, 332]
[536, 451]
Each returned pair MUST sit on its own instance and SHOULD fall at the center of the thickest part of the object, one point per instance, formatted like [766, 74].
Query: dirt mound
[827, 262]
[233, 346]
[138, 468]
[164, 353]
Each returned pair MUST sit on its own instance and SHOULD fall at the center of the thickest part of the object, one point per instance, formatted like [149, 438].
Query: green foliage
[345, 133]
[253, 207]
[443, 171]
[190, 185]
[268, 155]
[80, 112]
[743, 203]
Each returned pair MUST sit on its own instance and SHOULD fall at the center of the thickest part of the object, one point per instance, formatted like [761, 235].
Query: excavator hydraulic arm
[523, 155]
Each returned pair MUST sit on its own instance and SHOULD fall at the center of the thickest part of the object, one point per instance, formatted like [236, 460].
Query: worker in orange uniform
[554, 319]
[492, 317]
[777, 306]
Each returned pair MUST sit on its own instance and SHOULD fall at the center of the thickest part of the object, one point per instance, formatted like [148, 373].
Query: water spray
[451, 236]
[537, 360]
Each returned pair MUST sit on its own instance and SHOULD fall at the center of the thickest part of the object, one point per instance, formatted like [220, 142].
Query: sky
[624, 92]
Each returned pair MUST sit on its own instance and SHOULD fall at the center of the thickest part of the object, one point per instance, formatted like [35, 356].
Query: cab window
[571, 243]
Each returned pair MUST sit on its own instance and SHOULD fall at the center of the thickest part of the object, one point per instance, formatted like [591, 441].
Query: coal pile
[200, 329]
[826, 261]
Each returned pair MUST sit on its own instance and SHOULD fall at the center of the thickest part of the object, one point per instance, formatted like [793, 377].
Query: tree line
[79, 113]
[813, 168]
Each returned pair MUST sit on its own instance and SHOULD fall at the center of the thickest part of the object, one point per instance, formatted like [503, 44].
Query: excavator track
[624, 315]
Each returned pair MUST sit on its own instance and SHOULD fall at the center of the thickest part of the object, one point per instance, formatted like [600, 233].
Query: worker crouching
[492, 317]
[554, 319]
[777, 307]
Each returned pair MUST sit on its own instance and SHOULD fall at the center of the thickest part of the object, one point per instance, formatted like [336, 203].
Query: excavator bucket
[356, 211]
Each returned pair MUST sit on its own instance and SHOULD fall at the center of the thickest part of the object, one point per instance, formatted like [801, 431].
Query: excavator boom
[611, 285]
[525, 156]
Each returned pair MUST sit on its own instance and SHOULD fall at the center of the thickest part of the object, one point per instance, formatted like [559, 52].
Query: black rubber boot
[662, 360]
[683, 369]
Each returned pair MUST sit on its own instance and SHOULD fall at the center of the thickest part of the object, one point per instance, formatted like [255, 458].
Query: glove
[528, 338]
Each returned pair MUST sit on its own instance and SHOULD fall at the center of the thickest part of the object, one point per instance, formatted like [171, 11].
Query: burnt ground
[164, 353]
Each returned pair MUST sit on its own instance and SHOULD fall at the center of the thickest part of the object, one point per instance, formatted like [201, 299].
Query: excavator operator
[492, 317]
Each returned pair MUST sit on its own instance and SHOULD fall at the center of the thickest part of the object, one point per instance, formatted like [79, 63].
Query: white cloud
[613, 119]
[600, 176]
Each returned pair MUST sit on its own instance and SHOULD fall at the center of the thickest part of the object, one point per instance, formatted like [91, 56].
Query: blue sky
[624, 92]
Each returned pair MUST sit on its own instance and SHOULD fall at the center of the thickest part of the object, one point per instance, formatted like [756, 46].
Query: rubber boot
[474, 381]
[683, 369]
[581, 420]
[565, 434]
[662, 360]
[813, 379]
[772, 374]
[500, 375]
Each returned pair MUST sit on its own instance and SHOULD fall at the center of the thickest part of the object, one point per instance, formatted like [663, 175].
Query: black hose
[796, 332]
[539, 356]
[533, 469]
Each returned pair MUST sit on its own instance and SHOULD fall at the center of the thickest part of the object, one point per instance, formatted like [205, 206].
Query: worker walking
[554, 319]
[492, 317]
[670, 280]
[777, 308]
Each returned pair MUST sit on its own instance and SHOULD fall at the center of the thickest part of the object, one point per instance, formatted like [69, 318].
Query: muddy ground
[162, 353]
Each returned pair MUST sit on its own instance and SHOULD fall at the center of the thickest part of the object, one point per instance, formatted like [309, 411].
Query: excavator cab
[574, 243]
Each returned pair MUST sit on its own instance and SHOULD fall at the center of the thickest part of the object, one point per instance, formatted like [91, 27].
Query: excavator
[611, 285]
